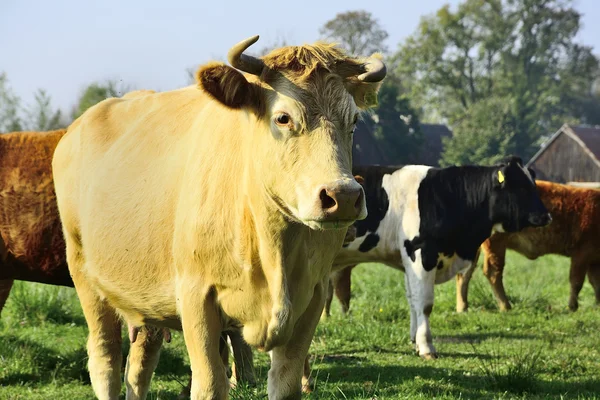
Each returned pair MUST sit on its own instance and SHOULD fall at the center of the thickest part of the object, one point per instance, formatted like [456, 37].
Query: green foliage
[396, 124]
[486, 133]
[517, 57]
[41, 117]
[358, 32]
[95, 93]
[9, 107]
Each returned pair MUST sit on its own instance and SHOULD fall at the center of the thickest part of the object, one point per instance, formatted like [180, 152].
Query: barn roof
[588, 137]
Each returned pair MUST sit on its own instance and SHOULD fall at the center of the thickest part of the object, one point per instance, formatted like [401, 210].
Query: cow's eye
[283, 119]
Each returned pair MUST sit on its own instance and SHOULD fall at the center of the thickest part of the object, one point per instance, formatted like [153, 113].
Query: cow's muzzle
[344, 201]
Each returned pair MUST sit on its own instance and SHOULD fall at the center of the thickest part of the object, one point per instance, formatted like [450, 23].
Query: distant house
[433, 146]
[572, 154]
[367, 150]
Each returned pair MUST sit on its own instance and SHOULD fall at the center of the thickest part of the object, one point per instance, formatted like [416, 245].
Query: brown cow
[574, 232]
[32, 246]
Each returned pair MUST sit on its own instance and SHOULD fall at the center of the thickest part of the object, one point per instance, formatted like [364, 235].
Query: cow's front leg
[201, 325]
[421, 284]
[413, 314]
[288, 361]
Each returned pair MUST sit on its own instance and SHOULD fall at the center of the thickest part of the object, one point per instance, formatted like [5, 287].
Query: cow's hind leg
[142, 360]
[5, 286]
[594, 278]
[342, 282]
[329, 298]
[576, 278]
[104, 338]
[243, 359]
[462, 286]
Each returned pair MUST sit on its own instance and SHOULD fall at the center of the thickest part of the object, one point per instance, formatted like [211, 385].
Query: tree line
[502, 74]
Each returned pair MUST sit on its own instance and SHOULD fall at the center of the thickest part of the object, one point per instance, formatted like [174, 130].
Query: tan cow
[214, 207]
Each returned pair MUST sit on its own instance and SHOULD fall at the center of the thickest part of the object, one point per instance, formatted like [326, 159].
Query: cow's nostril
[359, 200]
[327, 201]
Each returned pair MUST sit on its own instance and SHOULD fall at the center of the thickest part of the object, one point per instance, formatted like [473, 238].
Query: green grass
[539, 350]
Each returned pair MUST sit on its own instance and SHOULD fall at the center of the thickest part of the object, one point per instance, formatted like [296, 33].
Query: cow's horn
[374, 71]
[244, 62]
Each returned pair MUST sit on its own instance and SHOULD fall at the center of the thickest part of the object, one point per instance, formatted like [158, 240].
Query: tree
[95, 93]
[357, 32]
[41, 117]
[516, 56]
[396, 124]
[9, 107]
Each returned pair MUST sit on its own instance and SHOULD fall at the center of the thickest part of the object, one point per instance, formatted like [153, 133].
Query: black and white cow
[430, 223]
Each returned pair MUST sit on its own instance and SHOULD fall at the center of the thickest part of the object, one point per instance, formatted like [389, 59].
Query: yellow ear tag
[500, 177]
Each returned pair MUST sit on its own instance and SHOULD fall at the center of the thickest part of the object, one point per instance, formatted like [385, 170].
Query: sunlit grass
[539, 350]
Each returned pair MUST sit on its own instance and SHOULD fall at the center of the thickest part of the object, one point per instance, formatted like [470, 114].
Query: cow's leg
[5, 286]
[142, 360]
[243, 359]
[413, 314]
[462, 286]
[307, 382]
[593, 274]
[421, 283]
[201, 325]
[576, 278]
[493, 268]
[342, 282]
[104, 338]
[329, 298]
[288, 361]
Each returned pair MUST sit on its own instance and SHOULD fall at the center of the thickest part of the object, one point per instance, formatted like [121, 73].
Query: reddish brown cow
[574, 232]
[32, 246]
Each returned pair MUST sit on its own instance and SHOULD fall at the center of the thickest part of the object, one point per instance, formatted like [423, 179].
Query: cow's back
[33, 248]
[575, 224]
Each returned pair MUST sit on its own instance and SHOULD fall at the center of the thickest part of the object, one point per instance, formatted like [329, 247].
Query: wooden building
[572, 154]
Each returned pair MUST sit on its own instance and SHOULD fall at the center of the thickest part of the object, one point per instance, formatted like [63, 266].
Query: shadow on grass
[434, 381]
[479, 337]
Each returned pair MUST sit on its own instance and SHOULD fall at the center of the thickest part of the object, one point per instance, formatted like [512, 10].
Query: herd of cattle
[231, 208]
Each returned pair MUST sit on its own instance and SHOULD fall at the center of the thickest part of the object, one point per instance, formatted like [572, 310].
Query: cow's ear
[228, 86]
[363, 93]
[360, 180]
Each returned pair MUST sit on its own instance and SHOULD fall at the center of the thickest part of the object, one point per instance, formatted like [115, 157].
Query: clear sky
[63, 45]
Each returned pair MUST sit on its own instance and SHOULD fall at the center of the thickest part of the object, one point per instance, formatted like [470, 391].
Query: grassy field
[539, 350]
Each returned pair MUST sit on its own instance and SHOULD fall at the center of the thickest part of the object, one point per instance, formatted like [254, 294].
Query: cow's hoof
[429, 356]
